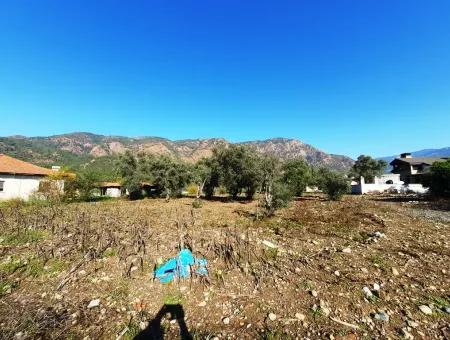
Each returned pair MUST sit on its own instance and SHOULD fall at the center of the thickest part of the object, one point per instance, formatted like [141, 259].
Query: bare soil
[55, 260]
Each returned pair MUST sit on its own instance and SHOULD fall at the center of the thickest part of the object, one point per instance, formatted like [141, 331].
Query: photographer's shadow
[154, 330]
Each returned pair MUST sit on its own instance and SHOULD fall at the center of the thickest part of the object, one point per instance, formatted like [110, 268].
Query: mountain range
[443, 152]
[81, 148]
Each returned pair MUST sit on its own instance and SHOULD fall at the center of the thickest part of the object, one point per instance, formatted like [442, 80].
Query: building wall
[381, 186]
[395, 178]
[17, 186]
[113, 192]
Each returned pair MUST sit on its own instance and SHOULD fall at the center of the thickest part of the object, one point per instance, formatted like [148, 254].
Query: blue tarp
[181, 266]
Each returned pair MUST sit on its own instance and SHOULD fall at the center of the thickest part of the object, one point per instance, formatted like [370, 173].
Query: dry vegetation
[54, 260]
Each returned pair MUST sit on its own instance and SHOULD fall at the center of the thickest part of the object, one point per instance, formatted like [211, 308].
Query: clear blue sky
[347, 76]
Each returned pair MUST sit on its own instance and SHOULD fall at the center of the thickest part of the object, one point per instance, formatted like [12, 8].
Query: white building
[386, 183]
[19, 179]
[110, 189]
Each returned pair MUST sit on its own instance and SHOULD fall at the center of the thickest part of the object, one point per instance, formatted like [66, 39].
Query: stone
[406, 334]
[395, 272]
[300, 316]
[337, 273]
[446, 309]
[367, 292]
[364, 270]
[226, 320]
[272, 316]
[269, 244]
[202, 304]
[412, 324]
[347, 250]
[313, 293]
[94, 303]
[325, 310]
[143, 325]
[19, 336]
[382, 316]
[425, 309]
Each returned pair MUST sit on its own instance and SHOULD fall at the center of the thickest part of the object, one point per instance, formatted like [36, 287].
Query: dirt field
[299, 274]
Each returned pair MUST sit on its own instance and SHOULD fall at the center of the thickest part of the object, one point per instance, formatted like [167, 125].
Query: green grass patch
[110, 252]
[173, 299]
[11, 266]
[380, 261]
[120, 291]
[31, 267]
[132, 332]
[271, 253]
[22, 237]
[275, 335]
[37, 268]
[6, 286]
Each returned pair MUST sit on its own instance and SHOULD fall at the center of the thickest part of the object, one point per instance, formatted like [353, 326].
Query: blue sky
[349, 77]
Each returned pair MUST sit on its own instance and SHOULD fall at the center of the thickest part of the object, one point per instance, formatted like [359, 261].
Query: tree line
[238, 171]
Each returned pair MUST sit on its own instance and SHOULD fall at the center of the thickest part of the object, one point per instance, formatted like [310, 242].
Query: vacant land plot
[362, 267]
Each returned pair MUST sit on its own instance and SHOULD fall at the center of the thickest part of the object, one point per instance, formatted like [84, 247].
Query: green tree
[166, 174]
[84, 185]
[438, 179]
[333, 183]
[238, 168]
[297, 174]
[205, 175]
[368, 168]
[127, 169]
[275, 192]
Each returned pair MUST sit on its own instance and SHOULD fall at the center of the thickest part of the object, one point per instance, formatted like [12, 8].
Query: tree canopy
[297, 174]
[368, 168]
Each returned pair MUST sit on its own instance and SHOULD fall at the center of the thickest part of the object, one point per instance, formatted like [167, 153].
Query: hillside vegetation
[77, 149]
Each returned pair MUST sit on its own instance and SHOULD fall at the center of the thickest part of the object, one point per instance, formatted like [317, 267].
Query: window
[2, 183]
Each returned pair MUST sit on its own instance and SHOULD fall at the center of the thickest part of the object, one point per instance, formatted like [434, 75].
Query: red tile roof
[10, 165]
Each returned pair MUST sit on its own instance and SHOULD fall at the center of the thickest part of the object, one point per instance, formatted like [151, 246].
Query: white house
[19, 179]
[110, 189]
[386, 182]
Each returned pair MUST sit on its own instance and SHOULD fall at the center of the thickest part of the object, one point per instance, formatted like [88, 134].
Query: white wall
[381, 186]
[17, 186]
[395, 178]
[113, 192]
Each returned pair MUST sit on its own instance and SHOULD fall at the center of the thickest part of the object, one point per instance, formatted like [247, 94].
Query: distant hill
[81, 148]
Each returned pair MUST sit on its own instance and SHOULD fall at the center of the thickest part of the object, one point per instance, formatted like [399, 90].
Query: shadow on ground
[155, 331]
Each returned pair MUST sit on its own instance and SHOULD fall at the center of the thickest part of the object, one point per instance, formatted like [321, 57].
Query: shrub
[192, 189]
[197, 203]
[439, 179]
[334, 184]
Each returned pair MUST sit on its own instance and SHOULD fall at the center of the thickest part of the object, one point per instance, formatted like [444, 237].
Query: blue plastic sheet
[181, 266]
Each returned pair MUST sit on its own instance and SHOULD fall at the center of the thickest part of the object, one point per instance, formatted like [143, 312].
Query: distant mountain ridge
[78, 148]
[442, 152]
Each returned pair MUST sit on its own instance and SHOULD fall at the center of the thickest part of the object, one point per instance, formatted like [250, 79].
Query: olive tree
[333, 183]
[275, 192]
[296, 174]
[367, 167]
[238, 169]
